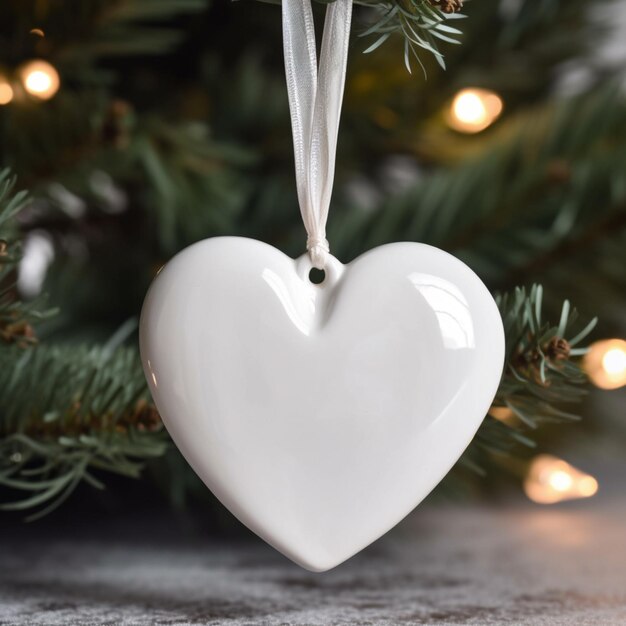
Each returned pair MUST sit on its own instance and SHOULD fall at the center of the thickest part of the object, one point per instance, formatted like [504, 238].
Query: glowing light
[473, 110]
[614, 361]
[6, 91]
[40, 79]
[551, 480]
[503, 414]
[560, 481]
[606, 363]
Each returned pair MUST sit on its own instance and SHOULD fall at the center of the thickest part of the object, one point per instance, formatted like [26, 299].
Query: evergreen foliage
[68, 413]
[172, 125]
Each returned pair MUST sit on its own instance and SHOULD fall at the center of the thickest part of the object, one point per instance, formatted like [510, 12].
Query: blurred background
[138, 127]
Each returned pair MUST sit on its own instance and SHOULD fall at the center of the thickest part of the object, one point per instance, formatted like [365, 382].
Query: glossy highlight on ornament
[320, 415]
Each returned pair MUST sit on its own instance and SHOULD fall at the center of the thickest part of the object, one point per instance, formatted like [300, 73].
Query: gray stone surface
[517, 564]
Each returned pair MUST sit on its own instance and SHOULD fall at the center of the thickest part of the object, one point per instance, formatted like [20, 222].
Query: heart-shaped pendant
[320, 415]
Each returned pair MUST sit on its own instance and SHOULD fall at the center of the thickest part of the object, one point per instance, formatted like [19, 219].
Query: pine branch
[128, 27]
[421, 23]
[178, 167]
[173, 170]
[79, 33]
[16, 317]
[545, 192]
[66, 413]
[542, 378]
[183, 168]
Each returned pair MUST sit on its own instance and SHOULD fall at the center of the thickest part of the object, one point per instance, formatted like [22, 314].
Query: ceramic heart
[320, 415]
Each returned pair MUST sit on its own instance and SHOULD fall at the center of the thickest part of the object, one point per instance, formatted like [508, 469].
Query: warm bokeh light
[473, 110]
[503, 414]
[551, 480]
[614, 361]
[605, 363]
[6, 91]
[40, 79]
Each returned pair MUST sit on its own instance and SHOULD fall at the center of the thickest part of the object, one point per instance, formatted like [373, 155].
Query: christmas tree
[138, 127]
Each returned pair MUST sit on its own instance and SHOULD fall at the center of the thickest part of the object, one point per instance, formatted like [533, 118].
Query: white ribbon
[315, 105]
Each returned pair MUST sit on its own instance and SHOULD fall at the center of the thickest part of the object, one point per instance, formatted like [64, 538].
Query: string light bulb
[503, 414]
[550, 479]
[605, 363]
[40, 79]
[6, 91]
[472, 110]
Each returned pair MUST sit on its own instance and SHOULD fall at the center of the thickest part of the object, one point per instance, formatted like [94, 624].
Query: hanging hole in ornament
[316, 276]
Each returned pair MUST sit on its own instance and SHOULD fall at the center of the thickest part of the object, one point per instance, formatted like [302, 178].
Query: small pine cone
[147, 418]
[21, 333]
[558, 349]
[447, 6]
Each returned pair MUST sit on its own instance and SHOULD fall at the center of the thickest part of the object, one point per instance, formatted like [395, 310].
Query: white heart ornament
[320, 415]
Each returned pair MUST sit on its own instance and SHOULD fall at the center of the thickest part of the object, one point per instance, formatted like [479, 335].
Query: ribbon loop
[315, 106]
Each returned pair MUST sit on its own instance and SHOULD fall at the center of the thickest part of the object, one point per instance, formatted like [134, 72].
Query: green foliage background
[172, 125]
